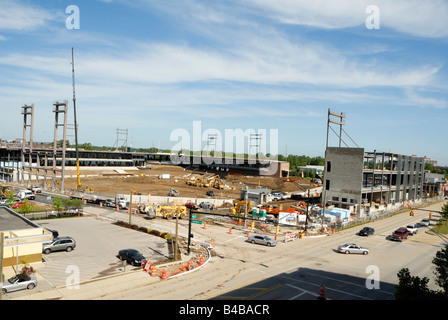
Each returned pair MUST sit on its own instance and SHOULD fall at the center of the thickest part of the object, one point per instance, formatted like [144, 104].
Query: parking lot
[97, 244]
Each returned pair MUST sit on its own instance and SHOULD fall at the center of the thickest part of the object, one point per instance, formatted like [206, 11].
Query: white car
[352, 248]
[425, 222]
[36, 189]
[412, 228]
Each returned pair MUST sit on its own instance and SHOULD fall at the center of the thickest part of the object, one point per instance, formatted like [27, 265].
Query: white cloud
[420, 18]
[15, 15]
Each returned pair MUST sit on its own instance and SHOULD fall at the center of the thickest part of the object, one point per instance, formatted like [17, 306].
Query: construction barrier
[163, 274]
[321, 293]
[153, 271]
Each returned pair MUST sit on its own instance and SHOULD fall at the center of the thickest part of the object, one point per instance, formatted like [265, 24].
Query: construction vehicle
[173, 193]
[4, 191]
[241, 207]
[165, 211]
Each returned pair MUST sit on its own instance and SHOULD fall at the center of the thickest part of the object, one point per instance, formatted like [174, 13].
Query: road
[296, 270]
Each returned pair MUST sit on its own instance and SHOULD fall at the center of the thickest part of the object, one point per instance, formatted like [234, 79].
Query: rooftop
[10, 220]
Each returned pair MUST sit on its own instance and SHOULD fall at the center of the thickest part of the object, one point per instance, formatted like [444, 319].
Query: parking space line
[302, 293]
[327, 288]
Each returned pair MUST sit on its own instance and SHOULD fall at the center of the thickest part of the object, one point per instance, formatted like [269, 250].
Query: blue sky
[153, 66]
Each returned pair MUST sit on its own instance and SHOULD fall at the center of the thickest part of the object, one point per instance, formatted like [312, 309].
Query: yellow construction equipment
[165, 211]
[241, 207]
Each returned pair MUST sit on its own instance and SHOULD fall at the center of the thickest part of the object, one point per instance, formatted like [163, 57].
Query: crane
[78, 183]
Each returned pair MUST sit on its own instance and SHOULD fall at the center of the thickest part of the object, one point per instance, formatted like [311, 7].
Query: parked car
[400, 234]
[132, 256]
[191, 205]
[109, 203]
[19, 282]
[210, 193]
[59, 244]
[412, 228]
[352, 248]
[17, 205]
[262, 240]
[366, 231]
[36, 189]
[425, 222]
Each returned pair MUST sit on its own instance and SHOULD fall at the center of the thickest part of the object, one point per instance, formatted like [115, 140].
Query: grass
[443, 228]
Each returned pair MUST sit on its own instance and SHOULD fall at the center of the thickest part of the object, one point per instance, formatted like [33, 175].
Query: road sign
[193, 216]
[196, 221]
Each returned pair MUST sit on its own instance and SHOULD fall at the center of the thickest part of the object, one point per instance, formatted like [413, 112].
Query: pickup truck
[400, 234]
[412, 228]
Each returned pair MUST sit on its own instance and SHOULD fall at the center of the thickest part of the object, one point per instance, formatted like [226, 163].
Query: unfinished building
[365, 182]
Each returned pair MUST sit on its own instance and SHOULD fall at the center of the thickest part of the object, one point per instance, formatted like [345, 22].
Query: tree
[441, 263]
[57, 204]
[445, 212]
[416, 288]
[411, 288]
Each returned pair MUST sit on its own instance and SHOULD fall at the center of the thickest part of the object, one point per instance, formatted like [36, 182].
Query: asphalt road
[296, 270]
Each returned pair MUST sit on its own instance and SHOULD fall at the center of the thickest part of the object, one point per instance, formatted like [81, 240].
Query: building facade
[365, 182]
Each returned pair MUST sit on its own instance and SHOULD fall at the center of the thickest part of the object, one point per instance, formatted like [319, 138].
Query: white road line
[300, 294]
[327, 288]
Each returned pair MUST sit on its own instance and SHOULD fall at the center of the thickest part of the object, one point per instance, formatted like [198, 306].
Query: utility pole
[1, 261]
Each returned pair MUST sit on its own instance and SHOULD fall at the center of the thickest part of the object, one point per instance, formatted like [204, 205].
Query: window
[327, 185]
[328, 166]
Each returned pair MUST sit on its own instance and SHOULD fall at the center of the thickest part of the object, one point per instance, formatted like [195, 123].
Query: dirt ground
[146, 181]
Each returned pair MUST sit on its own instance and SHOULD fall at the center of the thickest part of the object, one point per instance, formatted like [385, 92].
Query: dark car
[210, 193]
[366, 231]
[132, 256]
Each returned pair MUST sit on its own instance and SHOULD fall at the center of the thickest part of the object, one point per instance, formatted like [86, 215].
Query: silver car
[425, 222]
[352, 248]
[19, 282]
[262, 240]
[59, 244]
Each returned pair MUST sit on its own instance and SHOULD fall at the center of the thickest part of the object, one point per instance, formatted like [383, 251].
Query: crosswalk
[424, 238]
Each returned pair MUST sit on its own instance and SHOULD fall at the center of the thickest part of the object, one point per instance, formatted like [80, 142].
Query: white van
[26, 194]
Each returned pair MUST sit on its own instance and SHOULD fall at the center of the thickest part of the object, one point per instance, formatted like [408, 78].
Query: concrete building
[22, 238]
[365, 182]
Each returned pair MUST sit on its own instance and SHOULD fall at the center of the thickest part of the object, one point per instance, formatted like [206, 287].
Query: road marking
[328, 288]
[300, 294]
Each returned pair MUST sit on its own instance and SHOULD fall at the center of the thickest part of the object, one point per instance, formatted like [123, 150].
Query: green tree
[25, 207]
[445, 212]
[441, 263]
[57, 204]
[416, 288]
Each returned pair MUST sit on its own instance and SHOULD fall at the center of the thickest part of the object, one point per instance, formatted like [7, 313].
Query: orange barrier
[163, 274]
[153, 271]
[321, 293]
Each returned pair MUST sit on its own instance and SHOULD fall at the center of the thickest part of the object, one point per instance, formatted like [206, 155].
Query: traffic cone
[201, 260]
[321, 293]
[205, 225]
[153, 271]
[211, 244]
[230, 230]
[163, 274]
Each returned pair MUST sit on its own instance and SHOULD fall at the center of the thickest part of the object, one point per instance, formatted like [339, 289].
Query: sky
[172, 72]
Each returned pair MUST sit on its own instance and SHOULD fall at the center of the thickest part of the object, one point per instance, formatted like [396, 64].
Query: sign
[193, 216]
[196, 221]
